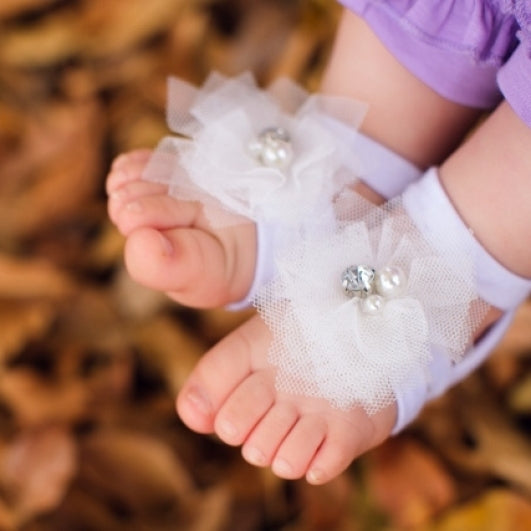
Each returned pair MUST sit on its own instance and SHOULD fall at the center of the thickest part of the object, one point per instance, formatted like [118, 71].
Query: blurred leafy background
[90, 362]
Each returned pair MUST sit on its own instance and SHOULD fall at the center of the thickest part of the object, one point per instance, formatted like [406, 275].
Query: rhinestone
[358, 281]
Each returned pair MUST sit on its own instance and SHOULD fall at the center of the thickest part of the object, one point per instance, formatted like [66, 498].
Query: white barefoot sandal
[245, 153]
[420, 286]
[357, 310]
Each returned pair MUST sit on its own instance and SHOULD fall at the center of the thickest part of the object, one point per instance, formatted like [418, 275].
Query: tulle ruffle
[327, 345]
[212, 159]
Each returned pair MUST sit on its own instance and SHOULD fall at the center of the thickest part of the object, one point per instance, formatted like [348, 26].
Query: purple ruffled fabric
[472, 52]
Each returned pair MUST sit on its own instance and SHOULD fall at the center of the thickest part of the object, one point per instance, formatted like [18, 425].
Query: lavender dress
[473, 52]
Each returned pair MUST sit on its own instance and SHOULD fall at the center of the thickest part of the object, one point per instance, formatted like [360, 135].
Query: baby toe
[350, 434]
[299, 447]
[218, 373]
[245, 407]
[265, 439]
[139, 203]
[127, 167]
[335, 454]
[129, 159]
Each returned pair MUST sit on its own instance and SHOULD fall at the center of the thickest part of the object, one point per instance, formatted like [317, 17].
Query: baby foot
[231, 392]
[170, 246]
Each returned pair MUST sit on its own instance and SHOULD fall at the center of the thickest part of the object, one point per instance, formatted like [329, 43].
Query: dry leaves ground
[90, 363]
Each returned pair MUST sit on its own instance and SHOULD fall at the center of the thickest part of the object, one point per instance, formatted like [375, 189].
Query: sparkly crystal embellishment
[272, 148]
[358, 281]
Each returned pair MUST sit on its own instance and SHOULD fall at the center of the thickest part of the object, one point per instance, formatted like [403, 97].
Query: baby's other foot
[232, 393]
[170, 246]
[135, 203]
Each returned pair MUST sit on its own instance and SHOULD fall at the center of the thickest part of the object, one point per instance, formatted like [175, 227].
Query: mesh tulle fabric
[326, 346]
[210, 161]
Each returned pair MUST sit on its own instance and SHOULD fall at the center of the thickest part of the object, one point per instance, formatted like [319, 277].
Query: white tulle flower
[266, 155]
[357, 349]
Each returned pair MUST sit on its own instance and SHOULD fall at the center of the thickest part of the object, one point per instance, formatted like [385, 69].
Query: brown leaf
[21, 323]
[36, 401]
[479, 436]
[32, 279]
[496, 510]
[520, 396]
[167, 346]
[409, 482]
[36, 470]
[62, 182]
[9, 8]
[53, 40]
[140, 470]
[110, 29]
[135, 124]
[8, 519]
[504, 365]
[327, 506]
[135, 301]
[213, 510]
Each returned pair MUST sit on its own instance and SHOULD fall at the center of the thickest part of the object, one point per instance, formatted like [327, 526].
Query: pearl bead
[276, 155]
[390, 282]
[272, 148]
[372, 304]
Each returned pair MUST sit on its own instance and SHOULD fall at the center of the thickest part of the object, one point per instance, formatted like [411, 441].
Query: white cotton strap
[432, 211]
[386, 172]
[266, 235]
[382, 169]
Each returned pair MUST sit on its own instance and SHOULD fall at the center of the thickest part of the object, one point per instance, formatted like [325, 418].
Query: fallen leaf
[218, 322]
[22, 323]
[327, 506]
[64, 181]
[37, 468]
[496, 510]
[480, 437]
[168, 347]
[139, 469]
[32, 279]
[36, 401]
[408, 482]
[10, 8]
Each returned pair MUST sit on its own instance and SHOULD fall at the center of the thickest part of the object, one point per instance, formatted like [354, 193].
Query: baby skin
[170, 247]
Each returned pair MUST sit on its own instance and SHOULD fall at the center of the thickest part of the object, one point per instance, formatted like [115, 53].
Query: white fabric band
[386, 172]
[266, 235]
[431, 210]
